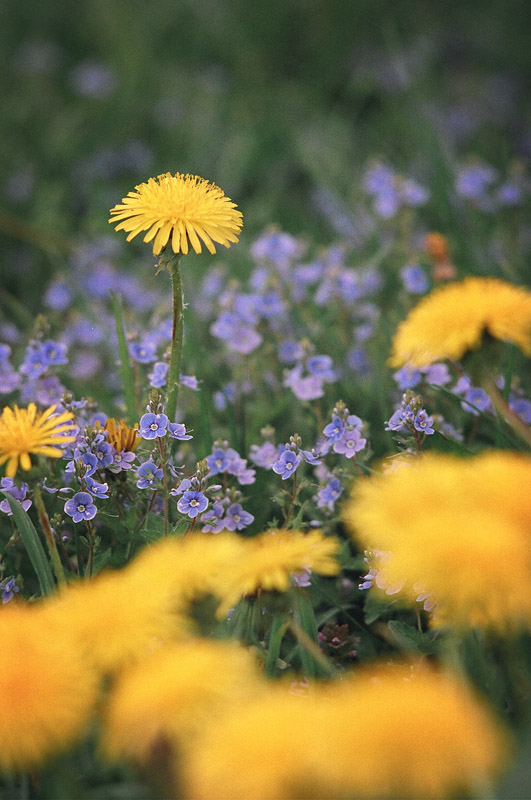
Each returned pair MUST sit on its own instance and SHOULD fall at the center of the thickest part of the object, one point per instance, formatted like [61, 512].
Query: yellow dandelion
[120, 435]
[23, 431]
[452, 320]
[173, 693]
[47, 691]
[450, 529]
[270, 559]
[183, 209]
[386, 732]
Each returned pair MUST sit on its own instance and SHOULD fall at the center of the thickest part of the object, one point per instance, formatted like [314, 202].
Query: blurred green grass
[271, 101]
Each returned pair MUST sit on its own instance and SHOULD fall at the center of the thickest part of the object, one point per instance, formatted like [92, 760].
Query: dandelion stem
[174, 373]
[49, 536]
[501, 406]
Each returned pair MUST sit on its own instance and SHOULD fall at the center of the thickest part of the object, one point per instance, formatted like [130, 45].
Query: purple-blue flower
[423, 423]
[414, 279]
[334, 430]
[217, 461]
[350, 443]
[286, 464]
[148, 474]
[80, 507]
[17, 492]
[407, 377]
[96, 489]
[122, 461]
[396, 421]
[236, 518]
[177, 430]
[143, 353]
[327, 495]
[8, 588]
[192, 504]
[157, 378]
[476, 400]
[152, 425]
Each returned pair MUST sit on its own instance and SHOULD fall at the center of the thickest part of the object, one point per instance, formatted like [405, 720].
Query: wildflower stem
[174, 372]
[126, 371]
[49, 536]
[501, 406]
[90, 561]
[164, 483]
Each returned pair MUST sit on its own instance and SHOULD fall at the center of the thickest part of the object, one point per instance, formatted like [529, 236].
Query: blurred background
[283, 104]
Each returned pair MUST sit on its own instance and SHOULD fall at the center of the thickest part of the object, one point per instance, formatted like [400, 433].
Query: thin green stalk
[501, 406]
[49, 536]
[310, 646]
[165, 485]
[174, 372]
[126, 372]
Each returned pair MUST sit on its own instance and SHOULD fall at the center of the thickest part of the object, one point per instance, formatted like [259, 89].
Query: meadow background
[292, 107]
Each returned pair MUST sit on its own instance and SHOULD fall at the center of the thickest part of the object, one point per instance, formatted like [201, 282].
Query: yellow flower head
[452, 320]
[185, 208]
[120, 435]
[450, 529]
[174, 692]
[23, 431]
[46, 690]
[270, 559]
[386, 732]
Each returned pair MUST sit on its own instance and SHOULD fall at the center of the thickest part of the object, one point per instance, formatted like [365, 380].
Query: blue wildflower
[143, 353]
[327, 495]
[80, 507]
[264, 455]
[236, 518]
[96, 489]
[476, 400]
[122, 461]
[414, 279]
[350, 443]
[192, 504]
[286, 464]
[152, 425]
[177, 430]
[157, 378]
[148, 474]
[423, 423]
[407, 377]
[17, 492]
[8, 588]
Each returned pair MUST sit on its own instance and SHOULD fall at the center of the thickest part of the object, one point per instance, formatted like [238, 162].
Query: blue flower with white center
[334, 430]
[286, 464]
[423, 423]
[217, 461]
[122, 461]
[96, 489]
[350, 443]
[87, 461]
[396, 421]
[236, 518]
[54, 353]
[177, 430]
[322, 367]
[80, 507]
[437, 374]
[476, 400]
[192, 504]
[104, 453]
[214, 519]
[152, 425]
[265, 455]
[148, 474]
[311, 457]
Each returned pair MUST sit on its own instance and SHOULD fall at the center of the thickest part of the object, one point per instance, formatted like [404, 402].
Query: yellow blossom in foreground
[387, 732]
[457, 530]
[173, 693]
[271, 558]
[47, 690]
[452, 320]
[24, 432]
[180, 209]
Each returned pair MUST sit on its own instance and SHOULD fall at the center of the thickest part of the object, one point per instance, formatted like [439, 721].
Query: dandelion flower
[401, 731]
[180, 209]
[120, 435]
[23, 431]
[452, 320]
[46, 690]
[270, 559]
[457, 530]
[174, 692]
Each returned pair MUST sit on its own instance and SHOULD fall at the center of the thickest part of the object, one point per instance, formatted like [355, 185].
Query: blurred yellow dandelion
[401, 731]
[180, 209]
[47, 691]
[24, 431]
[120, 435]
[457, 530]
[452, 320]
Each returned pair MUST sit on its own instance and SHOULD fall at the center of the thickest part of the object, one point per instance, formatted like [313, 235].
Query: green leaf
[412, 639]
[32, 543]
[278, 629]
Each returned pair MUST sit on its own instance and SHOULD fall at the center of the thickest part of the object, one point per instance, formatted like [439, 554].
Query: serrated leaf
[411, 638]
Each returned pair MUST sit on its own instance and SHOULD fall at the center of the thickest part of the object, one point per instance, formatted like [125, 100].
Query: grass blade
[33, 545]
[126, 371]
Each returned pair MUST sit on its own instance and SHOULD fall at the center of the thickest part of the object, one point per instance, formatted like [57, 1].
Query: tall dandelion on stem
[178, 211]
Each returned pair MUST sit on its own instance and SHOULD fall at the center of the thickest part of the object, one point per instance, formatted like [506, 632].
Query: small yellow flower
[120, 435]
[457, 530]
[386, 732]
[452, 320]
[181, 209]
[271, 558]
[47, 691]
[23, 431]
